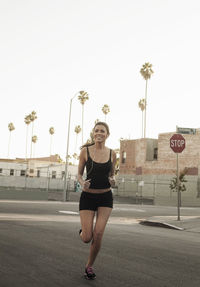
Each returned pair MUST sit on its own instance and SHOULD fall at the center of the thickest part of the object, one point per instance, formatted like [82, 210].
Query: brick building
[148, 165]
[155, 157]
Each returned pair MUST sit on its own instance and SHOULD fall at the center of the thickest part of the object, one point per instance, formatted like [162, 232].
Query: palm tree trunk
[9, 145]
[26, 142]
[76, 143]
[31, 141]
[145, 112]
[34, 151]
[50, 144]
[82, 121]
[142, 124]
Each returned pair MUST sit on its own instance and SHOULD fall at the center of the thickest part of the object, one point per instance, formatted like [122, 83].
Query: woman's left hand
[112, 181]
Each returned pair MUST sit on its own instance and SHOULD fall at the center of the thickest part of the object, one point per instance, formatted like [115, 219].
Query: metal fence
[156, 190]
[44, 180]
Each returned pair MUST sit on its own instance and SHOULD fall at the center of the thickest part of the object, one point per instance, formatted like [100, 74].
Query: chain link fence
[156, 190]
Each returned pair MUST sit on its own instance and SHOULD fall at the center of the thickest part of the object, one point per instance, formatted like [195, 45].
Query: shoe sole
[89, 278]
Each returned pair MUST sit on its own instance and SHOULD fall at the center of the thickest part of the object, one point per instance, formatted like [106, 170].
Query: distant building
[51, 166]
[147, 167]
[155, 157]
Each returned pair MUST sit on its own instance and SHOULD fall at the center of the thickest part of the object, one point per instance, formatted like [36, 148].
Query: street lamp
[65, 189]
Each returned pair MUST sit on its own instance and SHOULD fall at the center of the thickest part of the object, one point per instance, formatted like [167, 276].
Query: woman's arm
[112, 172]
[85, 184]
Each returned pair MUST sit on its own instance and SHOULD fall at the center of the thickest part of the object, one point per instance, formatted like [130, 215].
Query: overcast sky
[51, 49]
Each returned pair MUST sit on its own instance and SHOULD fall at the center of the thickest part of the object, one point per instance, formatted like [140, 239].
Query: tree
[10, 128]
[75, 157]
[27, 121]
[51, 131]
[146, 72]
[83, 97]
[174, 185]
[77, 130]
[34, 140]
[33, 117]
[91, 139]
[105, 109]
[142, 106]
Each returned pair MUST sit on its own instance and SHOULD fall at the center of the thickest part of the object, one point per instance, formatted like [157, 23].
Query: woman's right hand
[86, 185]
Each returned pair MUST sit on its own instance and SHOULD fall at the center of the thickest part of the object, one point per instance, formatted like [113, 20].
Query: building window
[53, 174]
[123, 157]
[31, 170]
[11, 171]
[1, 170]
[23, 172]
[155, 153]
[38, 173]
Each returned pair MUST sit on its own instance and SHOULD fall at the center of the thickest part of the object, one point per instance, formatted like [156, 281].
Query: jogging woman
[96, 196]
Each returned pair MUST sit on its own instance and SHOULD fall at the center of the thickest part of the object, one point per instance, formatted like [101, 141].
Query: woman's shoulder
[83, 152]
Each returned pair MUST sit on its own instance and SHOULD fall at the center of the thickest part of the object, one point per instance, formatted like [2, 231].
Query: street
[40, 246]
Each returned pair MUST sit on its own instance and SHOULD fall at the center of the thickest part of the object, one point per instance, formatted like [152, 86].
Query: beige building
[36, 178]
[52, 167]
[148, 165]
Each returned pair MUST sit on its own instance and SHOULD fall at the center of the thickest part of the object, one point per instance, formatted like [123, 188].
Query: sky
[52, 49]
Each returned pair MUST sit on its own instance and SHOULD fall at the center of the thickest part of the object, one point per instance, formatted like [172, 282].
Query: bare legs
[96, 234]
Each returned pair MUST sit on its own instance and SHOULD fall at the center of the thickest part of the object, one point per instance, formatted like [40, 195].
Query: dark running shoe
[89, 273]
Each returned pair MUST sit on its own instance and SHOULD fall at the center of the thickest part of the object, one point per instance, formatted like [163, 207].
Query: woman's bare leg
[101, 220]
[87, 219]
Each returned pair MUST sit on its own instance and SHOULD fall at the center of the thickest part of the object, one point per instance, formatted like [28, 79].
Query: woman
[96, 196]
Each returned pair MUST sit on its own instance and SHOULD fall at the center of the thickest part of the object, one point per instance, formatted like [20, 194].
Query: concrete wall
[16, 187]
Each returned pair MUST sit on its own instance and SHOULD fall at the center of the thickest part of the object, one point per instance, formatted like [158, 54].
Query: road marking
[68, 212]
[129, 209]
[61, 218]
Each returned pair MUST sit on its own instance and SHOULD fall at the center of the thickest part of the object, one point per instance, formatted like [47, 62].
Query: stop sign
[177, 143]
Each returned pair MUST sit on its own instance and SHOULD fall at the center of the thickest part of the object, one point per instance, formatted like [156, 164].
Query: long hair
[92, 140]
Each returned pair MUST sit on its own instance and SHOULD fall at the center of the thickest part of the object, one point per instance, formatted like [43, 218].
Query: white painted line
[68, 212]
[129, 209]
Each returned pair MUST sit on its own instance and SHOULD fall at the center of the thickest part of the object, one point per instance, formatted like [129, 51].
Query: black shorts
[91, 201]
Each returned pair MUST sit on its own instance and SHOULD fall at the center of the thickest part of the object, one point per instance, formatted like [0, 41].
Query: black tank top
[98, 173]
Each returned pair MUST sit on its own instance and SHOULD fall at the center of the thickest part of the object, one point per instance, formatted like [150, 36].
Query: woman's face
[100, 133]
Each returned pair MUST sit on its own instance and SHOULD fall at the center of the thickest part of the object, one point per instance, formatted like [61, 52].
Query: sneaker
[89, 273]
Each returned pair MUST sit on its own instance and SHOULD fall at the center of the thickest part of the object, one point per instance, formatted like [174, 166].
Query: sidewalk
[187, 223]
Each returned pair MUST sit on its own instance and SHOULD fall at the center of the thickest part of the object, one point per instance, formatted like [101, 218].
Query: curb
[160, 224]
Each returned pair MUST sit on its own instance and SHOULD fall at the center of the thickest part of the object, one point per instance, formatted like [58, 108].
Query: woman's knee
[86, 237]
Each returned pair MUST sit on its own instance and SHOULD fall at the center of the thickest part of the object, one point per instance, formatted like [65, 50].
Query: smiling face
[100, 133]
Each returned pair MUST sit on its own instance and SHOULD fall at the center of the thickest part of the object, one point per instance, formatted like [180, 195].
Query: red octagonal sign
[177, 143]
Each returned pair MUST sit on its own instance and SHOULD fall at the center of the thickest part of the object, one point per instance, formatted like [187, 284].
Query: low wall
[26, 188]
[21, 194]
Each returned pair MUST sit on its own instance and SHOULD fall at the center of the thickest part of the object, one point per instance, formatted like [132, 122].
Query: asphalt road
[40, 246]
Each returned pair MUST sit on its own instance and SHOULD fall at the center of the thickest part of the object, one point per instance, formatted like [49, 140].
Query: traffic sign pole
[178, 189]
[177, 144]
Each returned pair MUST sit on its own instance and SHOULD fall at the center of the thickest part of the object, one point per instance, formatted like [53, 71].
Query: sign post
[177, 144]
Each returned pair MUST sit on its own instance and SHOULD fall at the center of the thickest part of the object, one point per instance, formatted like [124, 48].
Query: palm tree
[33, 117]
[77, 130]
[83, 97]
[75, 156]
[105, 109]
[10, 128]
[51, 131]
[142, 105]
[146, 71]
[27, 121]
[34, 140]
